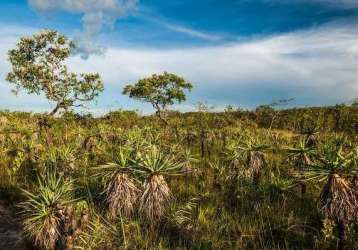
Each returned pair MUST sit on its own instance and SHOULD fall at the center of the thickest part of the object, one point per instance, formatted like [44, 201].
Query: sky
[235, 52]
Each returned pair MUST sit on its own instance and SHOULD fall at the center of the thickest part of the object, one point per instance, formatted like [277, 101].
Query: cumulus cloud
[316, 67]
[97, 14]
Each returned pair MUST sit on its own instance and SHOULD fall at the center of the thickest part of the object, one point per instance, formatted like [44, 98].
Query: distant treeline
[339, 118]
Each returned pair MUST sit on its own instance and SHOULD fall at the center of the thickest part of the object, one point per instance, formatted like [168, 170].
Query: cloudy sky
[237, 52]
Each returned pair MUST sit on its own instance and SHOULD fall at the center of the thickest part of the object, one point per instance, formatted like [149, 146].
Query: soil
[11, 237]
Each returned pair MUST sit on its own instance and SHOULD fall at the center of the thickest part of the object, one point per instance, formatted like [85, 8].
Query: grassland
[233, 180]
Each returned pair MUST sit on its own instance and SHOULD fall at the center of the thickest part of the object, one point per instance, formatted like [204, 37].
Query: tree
[44, 210]
[253, 151]
[121, 190]
[38, 67]
[338, 198]
[156, 195]
[159, 90]
[301, 154]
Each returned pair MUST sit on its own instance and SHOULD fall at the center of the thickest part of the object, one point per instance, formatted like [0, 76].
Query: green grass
[212, 206]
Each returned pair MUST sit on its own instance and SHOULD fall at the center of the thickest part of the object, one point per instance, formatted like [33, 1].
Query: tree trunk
[202, 144]
[176, 132]
[188, 139]
[256, 178]
[341, 235]
[224, 141]
[337, 117]
[303, 189]
[54, 111]
[159, 114]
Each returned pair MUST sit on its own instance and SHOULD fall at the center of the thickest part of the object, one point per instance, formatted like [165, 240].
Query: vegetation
[38, 67]
[159, 90]
[125, 181]
[262, 179]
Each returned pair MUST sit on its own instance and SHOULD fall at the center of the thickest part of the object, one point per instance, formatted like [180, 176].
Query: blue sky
[238, 52]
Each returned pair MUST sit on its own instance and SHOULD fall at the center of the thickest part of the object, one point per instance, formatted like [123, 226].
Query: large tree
[160, 90]
[38, 67]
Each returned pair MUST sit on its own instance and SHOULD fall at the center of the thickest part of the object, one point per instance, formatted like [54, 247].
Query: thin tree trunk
[303, 185]
[188, 139]
[54, 111]
[256, 178]
[224, 140]
[202, 144]
[208, 148]
[159, 114]
[176, 132]
[303, 189]
[341, 235]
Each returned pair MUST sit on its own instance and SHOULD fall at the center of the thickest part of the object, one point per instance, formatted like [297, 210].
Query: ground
[10, 229]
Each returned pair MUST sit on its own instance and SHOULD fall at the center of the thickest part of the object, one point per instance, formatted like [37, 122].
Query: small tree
[159, 90]
[253, 152]
[338, 199]
[38, 67]
[121, 191]
[156, 195]
[302, 156]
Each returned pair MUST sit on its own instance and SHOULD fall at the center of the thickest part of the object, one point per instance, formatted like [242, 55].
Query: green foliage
[43, 210]
[38, 67]
[121, 190]
[138, 185]
[156, 162]
[160, 90]
[125, 181]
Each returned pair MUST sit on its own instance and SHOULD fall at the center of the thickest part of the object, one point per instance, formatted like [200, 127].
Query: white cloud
[83, 6]
[192, 32]
[317, 66]
[183, 29]
[96, 15]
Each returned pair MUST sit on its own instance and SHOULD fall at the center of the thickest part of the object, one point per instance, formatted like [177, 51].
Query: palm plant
[339, 197]
[188, 158]
[218, 168]
[122, 192]
[232, 157]
[190, 137]
[44, 210]
[181, 216]
[353, 162]
[253, 152]
[62, 157]
[135, 140]
[101, 234]
[311, 133]
[156, 193]
[302, 156]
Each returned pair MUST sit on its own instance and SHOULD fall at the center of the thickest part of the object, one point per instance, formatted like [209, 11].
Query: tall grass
[108, 183]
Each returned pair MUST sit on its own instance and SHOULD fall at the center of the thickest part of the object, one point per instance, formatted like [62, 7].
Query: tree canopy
[38, 68]
[161, 90]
